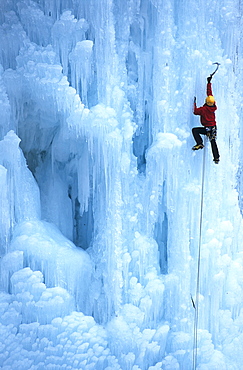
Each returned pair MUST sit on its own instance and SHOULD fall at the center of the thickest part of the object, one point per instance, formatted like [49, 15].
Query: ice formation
[103, 206]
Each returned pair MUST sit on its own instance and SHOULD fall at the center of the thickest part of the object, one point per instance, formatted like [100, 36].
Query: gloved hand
[209, 79]
[195, 99]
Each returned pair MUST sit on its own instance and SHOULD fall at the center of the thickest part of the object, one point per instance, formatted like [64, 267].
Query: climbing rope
[195, 305]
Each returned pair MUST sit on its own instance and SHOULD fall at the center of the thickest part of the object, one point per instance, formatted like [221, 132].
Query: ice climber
[208, 121]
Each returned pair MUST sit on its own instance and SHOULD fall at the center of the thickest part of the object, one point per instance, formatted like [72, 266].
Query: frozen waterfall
[104, 208]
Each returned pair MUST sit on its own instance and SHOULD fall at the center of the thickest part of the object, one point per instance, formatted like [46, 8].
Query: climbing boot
[198, 146]
[216, 161]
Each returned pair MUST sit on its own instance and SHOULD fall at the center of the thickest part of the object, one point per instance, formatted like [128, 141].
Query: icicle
[81, 68]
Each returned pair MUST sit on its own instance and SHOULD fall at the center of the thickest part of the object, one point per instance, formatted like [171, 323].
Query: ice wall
[102, 198]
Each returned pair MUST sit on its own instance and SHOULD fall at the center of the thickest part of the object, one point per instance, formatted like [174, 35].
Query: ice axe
[218, 64]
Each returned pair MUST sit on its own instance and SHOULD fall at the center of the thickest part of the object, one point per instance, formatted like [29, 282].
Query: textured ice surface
[62, 263]
[101, 198]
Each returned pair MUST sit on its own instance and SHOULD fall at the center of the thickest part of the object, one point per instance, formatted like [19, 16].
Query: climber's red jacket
[206, 112]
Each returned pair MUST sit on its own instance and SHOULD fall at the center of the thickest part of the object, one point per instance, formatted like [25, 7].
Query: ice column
[81, 68]
[22, 188]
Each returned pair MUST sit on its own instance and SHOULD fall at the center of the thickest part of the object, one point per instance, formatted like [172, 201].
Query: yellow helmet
[210, 100]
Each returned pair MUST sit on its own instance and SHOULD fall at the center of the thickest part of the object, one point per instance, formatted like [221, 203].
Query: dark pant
[197, 131]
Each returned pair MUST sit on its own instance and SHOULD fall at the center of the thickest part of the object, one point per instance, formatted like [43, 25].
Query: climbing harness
[211, 132]
[195, 304]
[218, 64]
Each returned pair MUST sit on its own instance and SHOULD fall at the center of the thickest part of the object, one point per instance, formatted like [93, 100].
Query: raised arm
[209, 89]
[196, 111]
[209, 86]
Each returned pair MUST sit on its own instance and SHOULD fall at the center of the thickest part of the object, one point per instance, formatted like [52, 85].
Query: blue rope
[198, 268]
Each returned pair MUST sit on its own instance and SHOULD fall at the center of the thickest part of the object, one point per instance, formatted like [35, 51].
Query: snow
[103, 206]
